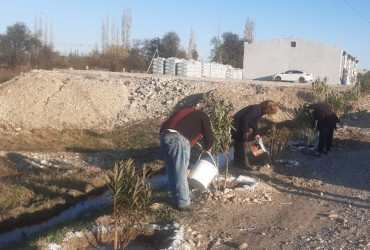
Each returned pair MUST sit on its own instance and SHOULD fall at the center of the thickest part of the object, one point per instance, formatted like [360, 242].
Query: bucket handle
[214, 162]
[261, 145]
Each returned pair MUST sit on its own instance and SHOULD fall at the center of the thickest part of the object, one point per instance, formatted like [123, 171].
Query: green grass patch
[5, 78]
[166, 213]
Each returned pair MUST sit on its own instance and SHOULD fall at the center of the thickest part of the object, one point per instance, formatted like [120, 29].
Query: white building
[264, 59]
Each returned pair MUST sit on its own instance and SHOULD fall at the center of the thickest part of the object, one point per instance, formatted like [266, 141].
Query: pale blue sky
[77, 23]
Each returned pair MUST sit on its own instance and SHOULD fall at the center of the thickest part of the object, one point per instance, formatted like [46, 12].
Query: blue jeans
[176, 154]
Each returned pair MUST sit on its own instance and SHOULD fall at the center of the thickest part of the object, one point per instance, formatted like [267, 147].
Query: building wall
[264, 59]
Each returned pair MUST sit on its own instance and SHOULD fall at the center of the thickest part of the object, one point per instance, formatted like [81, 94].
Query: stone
[243, 246]
[333, 216]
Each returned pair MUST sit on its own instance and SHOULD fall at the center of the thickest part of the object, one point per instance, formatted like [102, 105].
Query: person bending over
[243, 121]
[178, 134]
[326, 120]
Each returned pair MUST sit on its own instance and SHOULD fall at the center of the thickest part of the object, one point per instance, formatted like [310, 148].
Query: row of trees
[22, 50]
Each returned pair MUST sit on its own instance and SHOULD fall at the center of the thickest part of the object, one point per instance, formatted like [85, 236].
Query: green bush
[221, 119]
[352, 94]
[364, 83]
[279, 138]
[336, 101]
[131, 196]
[319, 88]
[301, 121]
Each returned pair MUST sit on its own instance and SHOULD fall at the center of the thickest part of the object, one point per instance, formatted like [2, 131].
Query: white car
[293, 75]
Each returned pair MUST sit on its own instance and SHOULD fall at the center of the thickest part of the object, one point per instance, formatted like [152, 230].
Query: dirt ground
[303, 202]
[316, 203]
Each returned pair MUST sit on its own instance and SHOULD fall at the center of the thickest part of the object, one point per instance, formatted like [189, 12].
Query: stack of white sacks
[171, 66]
[232, 73]
[206, 69]
[218, 70]
[158, 65]
[191, 68]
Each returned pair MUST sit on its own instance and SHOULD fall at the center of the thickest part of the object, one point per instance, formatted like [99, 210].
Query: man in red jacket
[178, 134]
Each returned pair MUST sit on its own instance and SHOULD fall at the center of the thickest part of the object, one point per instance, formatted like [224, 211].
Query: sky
[77, 24]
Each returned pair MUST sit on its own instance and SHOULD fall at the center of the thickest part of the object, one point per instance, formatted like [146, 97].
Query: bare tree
[40, 29]
[43, 31]
[218, 43]
[114, 33]
[216, 52]
[45, 41]
[105, 37]
[51, 41]
[249, 30]
[192, 50]
[126, 27]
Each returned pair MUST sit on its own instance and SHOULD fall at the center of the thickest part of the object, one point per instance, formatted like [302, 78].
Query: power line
[358, 13]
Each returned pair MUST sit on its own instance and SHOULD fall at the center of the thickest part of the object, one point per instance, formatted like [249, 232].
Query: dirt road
[321, 203]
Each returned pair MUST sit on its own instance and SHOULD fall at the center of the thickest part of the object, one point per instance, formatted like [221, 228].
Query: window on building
[293, 44]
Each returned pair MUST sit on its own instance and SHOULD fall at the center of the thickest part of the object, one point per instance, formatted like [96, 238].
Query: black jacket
[324, 115]
[245, 119]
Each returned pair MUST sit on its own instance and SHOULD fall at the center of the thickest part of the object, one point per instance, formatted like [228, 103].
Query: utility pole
[156, 52]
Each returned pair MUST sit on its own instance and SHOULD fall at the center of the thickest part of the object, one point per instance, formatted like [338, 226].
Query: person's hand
[257, 137]
[207, 151]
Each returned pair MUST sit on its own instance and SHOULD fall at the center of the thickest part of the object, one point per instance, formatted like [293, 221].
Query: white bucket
[203, 173]
[257, 148]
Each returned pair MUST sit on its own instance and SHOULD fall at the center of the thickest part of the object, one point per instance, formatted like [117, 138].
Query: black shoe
[190, 207]
[317, 154]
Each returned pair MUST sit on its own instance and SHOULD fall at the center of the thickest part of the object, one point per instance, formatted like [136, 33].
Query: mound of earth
[103, 100]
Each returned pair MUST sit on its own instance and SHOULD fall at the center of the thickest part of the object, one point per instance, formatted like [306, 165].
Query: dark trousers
[240, 158]
[325, 139]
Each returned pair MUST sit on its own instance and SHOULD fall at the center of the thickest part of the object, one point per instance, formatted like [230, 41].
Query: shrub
[364, 83]
[319, 88]
[131, 196]
[219, 114]
[279, 139]
[352, 94]
[301, 122]
[336, 101]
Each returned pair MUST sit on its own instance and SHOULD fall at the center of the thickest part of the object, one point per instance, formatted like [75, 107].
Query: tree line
[21, 50]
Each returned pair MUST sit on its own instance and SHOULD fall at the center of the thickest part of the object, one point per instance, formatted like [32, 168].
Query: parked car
[293, 75]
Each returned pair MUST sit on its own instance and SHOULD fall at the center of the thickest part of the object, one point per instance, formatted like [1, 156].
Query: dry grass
[137, 135]
[31, 188]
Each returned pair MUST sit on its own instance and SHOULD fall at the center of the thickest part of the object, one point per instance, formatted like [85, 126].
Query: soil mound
[102, 100]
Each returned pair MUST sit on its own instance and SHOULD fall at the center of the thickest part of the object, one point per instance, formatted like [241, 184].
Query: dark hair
[268, 107]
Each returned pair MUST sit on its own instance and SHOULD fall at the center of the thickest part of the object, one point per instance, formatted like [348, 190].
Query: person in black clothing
[244, 120]
[326, 124]
[178, 134]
